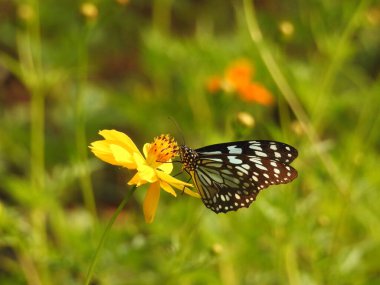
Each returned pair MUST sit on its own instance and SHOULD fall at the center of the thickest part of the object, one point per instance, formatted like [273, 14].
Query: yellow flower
[154, 167]
[89, 10]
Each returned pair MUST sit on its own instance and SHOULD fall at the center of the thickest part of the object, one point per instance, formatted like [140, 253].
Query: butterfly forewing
[262, 148]
[229, 176]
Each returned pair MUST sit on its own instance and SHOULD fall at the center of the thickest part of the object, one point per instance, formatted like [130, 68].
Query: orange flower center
[161, 150]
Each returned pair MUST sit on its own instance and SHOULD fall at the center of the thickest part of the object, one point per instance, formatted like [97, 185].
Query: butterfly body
[228, 176]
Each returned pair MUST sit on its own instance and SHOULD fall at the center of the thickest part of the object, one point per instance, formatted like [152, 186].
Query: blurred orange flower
[239, 73]
[238, 79]
[214, 84]
[255, 92]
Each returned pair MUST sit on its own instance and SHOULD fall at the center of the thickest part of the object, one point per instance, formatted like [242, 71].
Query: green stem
[161, 15]
[80, 126]
[337, 61]
[290, 96]
[105, 234]
[32, 73]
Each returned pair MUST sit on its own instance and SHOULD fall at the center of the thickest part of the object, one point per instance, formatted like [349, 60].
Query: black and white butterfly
[228, 176]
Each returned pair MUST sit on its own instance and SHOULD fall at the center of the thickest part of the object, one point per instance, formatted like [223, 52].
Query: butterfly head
[188, 157]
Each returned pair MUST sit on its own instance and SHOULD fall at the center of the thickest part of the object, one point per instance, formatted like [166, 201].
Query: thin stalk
[337, 61]
[105, 234]
[161, 17]
[291, 265]
[29, 45]
[80, 126]
[340, 179]
[290, 96]
[37, 140]
[32, 74]
[161, 21]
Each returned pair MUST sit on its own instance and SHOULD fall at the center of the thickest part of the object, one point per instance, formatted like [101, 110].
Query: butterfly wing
[229, 176]
[229, 182]
[277, 151]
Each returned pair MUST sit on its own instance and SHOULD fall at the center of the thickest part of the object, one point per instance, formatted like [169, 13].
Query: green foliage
[67, 72]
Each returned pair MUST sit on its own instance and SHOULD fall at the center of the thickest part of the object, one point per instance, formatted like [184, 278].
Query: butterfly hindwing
[229, 182]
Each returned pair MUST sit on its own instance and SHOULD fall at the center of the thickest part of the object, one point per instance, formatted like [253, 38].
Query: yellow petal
[101, 150]
[191, 193]
[152, 197]
[180, 185]
[100, 146]
[145, 171]
[137, 180]
[116, 149]
[145, 149]
[166, 167]
[167, 188]
[123, 157]
[139, 159]
[171, 180]
[121, 138]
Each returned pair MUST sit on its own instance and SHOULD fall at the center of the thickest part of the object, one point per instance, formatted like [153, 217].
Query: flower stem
[105, 234]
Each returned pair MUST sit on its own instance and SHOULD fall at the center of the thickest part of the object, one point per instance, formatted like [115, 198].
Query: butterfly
[228, 176]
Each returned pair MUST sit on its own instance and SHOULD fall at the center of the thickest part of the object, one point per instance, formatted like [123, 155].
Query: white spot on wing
[242, 170]
[246, 166]
[215, 159]
[260, 153]
[273, 147]
[234, 160]
[255, 160]
[262, 167]
[211, 152]
[255, 147]
[234, 149]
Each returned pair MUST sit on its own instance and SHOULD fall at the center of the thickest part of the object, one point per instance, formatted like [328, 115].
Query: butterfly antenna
[178, 129]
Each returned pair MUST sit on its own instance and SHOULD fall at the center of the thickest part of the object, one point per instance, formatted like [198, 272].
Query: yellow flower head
[163, 149]
[153, 167]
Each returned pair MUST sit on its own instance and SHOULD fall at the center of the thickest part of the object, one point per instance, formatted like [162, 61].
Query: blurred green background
[69, 69]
